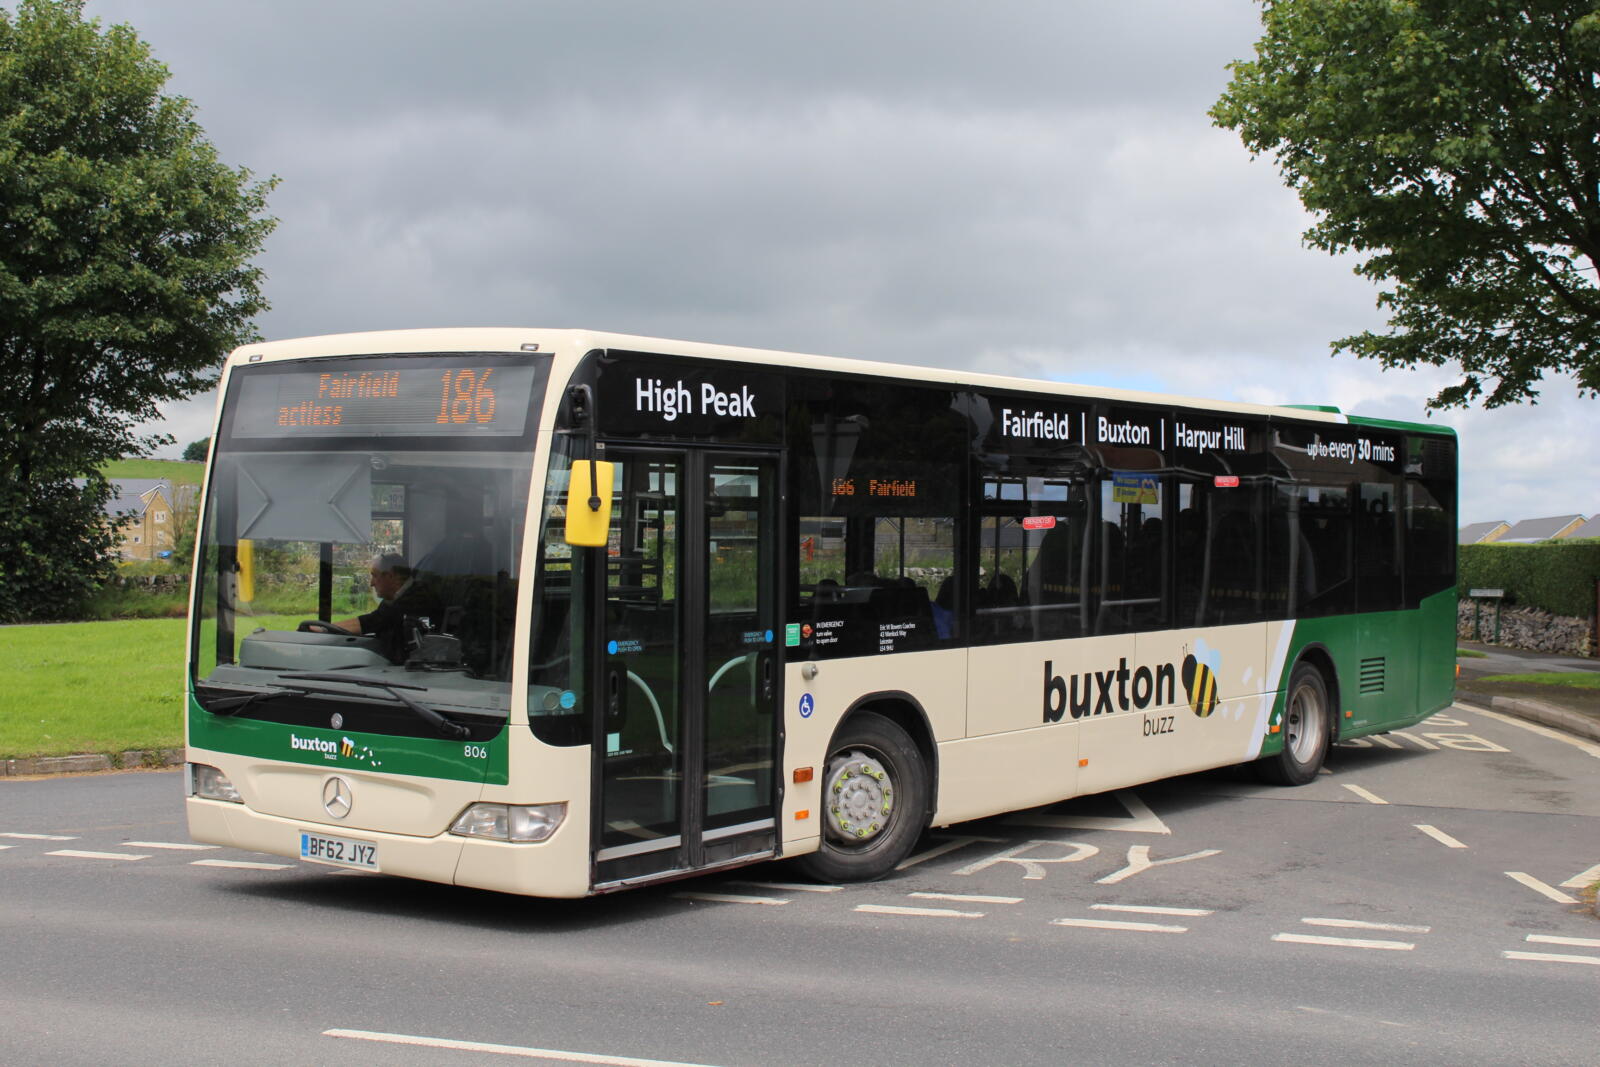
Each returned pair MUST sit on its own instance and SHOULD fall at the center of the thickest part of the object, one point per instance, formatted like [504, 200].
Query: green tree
[1453, 145]
[195, 451]
[125, 276]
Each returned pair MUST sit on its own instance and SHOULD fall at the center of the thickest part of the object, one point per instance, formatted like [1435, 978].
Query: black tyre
[874, 801]
[1307, 728]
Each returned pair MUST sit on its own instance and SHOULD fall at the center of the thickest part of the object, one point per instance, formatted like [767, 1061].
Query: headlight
[510, 822]
[208, 782]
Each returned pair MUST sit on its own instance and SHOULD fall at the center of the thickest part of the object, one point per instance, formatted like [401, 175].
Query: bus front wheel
[874, 795]
[1307, 727]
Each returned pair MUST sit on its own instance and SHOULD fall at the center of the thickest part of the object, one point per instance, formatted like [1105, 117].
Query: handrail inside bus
[661, 722]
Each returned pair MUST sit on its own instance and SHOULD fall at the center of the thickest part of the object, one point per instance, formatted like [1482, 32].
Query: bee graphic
[348, 747]
[1200, 682]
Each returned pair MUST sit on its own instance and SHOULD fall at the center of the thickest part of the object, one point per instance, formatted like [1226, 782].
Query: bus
[671, 608]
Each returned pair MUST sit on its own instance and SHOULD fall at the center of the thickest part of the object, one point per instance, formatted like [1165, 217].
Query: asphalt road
[1417, 904]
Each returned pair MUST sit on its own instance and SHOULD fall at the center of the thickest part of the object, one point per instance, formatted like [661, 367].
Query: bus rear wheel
[874, 797]
[1307, 727]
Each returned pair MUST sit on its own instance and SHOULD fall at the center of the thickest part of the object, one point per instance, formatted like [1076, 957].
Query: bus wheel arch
[877, 790]
[1309, 723]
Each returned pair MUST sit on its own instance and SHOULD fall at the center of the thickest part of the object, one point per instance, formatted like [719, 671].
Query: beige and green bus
[658, 608]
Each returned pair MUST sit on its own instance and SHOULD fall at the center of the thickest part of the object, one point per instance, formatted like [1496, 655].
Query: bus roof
[577, 342]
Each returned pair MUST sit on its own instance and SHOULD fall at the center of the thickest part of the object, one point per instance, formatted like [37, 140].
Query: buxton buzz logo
[1200, 681]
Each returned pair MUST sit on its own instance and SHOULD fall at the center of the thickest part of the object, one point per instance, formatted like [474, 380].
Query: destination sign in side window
[1128, 438]
[1028, 425]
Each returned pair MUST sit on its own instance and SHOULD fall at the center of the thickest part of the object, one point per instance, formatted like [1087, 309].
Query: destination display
[385, 398]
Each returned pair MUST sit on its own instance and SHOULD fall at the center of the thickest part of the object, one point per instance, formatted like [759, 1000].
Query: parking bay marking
[1578, 881]
[731, 898]
[1439, 835]
[80, 854]
[186, 846]
[1551, 957]
[241, 865]
[966, 898]
[928, 913]
[1118, 924]
[40, 837]
[1539, 887]
[1152, 909]
[1369, 797]
[790, 887]
[1344, 942]
[1362, 924]
[1553, 939]
[504, 1050]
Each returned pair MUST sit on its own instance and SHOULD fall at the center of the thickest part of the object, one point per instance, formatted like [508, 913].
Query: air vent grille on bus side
[1372, 672]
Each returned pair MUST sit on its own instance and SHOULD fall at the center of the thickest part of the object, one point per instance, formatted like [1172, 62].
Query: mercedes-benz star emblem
[336, 797]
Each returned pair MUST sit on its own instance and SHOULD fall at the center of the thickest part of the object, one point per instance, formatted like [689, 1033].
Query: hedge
[1556, 576]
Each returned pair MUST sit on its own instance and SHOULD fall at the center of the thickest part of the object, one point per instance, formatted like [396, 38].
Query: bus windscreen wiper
[235, 704]
[445, 726]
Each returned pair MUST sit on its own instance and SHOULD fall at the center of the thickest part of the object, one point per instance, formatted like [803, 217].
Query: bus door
[687, 672]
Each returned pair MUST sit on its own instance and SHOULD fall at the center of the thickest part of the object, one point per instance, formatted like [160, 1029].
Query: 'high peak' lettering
[671, 400]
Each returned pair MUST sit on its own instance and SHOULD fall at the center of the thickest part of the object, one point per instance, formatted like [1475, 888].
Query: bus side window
[876, 480]
[1034, 579]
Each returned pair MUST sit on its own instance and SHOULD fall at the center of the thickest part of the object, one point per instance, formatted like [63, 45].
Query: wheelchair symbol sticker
[807, 706]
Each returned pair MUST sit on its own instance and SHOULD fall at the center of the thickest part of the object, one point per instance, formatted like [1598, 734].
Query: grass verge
[1566, 679]
[1470, 653]
[174, 471]
[91, 687]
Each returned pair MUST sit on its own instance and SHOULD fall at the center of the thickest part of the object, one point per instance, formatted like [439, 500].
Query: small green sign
[791, 634]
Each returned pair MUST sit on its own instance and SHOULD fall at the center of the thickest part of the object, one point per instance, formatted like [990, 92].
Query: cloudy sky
[1024, 188]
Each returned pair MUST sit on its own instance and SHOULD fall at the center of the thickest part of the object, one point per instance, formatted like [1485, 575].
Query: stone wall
[1529, 628]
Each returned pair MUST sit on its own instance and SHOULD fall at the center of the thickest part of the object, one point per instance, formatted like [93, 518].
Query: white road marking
[1140, 820]
[931, 913]
[1370, 798]
[1578, 942]
[4, 847]
[1578, 881]
[1139, 860]
[1359, 924]
[1419, 742]
[79, 854]
[939, 850]
[961, 898]
[1386, 742]
[1152, 909]
[1344, 942]
[505, 1050]
[1439, 835]
[177, 845]
[41, 837]
[731, 898]
[1117, 924]
[1324, 770]
[791, 887]
[242, 865]
[1551, 957]
[1543, 731]
[1539, 887]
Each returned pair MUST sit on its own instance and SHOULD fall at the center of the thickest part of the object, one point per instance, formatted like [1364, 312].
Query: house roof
[130, 496]
[1530, 530]
[1588, 529]
[1474, 532]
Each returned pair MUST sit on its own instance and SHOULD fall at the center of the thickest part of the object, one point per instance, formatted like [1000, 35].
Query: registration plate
[318, 848]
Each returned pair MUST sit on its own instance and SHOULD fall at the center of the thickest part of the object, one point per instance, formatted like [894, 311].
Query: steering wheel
[318, 626]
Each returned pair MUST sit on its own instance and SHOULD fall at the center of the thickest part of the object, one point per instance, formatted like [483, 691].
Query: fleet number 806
[475, 752]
